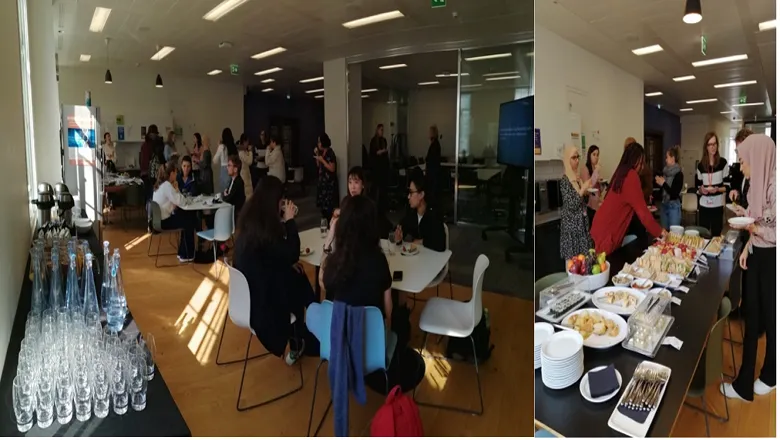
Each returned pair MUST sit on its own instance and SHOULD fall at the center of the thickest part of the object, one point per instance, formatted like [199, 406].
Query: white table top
[202, 203]
[419, 270]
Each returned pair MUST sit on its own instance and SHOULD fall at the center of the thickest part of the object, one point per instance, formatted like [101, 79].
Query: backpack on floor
[460, 348]
[398, 417]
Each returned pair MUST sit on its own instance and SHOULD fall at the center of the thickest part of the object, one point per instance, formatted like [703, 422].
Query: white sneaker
[728, 390]
[185, 260]
[761, 388]
[292, 356]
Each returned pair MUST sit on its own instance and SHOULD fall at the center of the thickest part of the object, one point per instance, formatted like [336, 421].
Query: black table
[567, 413]
[160, 418]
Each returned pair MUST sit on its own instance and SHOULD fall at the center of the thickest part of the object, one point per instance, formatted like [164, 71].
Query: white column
[43, 88]
[355, 102]
[336, 116]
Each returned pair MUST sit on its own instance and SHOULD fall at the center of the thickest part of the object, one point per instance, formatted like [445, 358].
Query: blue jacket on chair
[345, 369]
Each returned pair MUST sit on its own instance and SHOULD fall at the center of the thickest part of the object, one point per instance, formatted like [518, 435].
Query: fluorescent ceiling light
[268, 90]
[450, 75]
[719, 60]
[319, 96]
[85, 58]
[267, 81]
[364, 96]
[368, 90]
[315, 91]
[268, 53]
[647, 50]
[515, 72]
[701, 101]
[428, 83]
[686, 109]
[489, 57]
[727, 113]
[223, 9]
[392, 66]
[748, 104]
[501, 78]
[99, 19]
[214, 72]
[767, 25]
[372, 19]
[684, 78]
[267, 71]
[735, 84]
[654, 94]
[162, 53]
[311, 80]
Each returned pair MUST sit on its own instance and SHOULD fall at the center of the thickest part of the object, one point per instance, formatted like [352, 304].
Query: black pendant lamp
[108, 78]
[158, 83]
[692, 11]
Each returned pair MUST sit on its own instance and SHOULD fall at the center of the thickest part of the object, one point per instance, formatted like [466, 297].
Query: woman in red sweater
[624, 199]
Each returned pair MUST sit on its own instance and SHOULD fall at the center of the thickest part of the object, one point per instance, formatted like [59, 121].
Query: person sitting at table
[234, 193]
[267, 252]
[421, 222]
[757, 156]
[624, 199]
[186, 180]
[167, 195]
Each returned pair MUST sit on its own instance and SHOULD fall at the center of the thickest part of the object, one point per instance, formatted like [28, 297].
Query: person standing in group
[710, 176]
[380, 166]
[108, 148]
[148, 174]
[433, 164]
[206, 177]
[575, 239]
[226, 148]
[738, 184]
[757, 156]
[624, 200]
[327, 182]
[170, 146]
[258, 164]
[245, 154]
[197, 150]
[274, 159]
[671, 184]
[592, 173]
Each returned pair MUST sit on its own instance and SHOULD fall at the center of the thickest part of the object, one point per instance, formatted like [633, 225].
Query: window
[465, 123]
[24, 54]
[732, 147]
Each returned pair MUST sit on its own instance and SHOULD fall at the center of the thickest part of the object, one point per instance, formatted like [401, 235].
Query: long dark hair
[198, 140]
[705, 155]
[259, 222]
[229, 142]
[356, 235]
[633, 155]
[588, 163]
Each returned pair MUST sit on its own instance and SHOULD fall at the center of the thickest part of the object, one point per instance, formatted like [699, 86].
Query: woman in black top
[356, 272]
[380, 166]
[267, 251]
[671, 184]
[433, 163]
[421, 222]
[327, 182]
[710, 175]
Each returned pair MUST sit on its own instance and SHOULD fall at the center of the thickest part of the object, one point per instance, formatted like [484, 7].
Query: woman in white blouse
[274, 159]
[245, 155]
[167, 195]
[227, 148]
[109, 153]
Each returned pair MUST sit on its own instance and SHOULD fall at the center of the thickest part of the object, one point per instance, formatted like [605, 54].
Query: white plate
[599, 300]
[542, 332]
[627, 426]
[585, 386]
[741, 222]
[562, 346]
[642, 281]
[601, 341]
[559, 384]
[408, 253]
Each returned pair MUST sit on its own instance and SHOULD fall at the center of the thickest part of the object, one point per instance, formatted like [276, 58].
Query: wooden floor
[184, 307]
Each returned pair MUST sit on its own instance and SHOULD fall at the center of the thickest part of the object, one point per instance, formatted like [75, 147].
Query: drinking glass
[24, 402]
[64, 392]
[324, 228]
[82, 386]
[129, 339]
[101, 389]
[92, 319]
[118, 371]
[138, 382]
[150, 352]
[45, 398]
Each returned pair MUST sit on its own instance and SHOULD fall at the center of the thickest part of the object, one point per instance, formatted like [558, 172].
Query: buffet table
[566, 413]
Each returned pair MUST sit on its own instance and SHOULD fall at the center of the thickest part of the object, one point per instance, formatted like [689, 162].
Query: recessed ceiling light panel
[99, 19]
[683, 78]
[162, 53]
[268, 53]
[372, 19]
[648, 50]
[735, 84]
[223, 9]
[729, 59]
[268, 71]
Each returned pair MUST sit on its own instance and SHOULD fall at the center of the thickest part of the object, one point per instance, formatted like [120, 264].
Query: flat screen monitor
[515, 133]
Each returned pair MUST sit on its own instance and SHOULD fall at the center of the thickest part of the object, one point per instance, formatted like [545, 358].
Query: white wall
[15, 232]
[608, 100]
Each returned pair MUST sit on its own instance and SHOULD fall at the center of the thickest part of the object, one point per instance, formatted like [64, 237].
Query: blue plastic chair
[379, 346]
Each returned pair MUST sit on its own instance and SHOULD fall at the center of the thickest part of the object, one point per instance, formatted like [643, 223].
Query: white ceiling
[610, 29]
[310, 30]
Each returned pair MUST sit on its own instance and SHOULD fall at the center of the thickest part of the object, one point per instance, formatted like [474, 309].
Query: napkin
[603, 382]
[639, 416]
[674, 342]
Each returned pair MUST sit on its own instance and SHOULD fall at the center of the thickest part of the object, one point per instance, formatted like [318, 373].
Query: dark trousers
[296, 300]
[187, 221]
[759, 313]
[591, 215]
[712, 219]
[637, 228]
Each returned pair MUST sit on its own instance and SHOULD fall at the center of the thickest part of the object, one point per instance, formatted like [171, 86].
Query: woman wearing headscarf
[575, 238]
[757, 158]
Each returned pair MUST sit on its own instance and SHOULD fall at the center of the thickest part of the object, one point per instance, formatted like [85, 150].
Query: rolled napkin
[603, 382]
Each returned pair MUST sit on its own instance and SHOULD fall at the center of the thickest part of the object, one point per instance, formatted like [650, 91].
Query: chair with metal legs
[379, 347]
[710, 368]
[446, 317]
[158, 231]
[224, 226]
[444, 274]
[238, 310]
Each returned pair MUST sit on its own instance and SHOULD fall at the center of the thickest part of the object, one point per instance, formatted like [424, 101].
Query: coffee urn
[65, 203]
[44, 203]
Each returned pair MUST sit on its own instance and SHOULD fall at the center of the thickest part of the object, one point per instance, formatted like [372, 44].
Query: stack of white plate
[542, 332]
[562, 360]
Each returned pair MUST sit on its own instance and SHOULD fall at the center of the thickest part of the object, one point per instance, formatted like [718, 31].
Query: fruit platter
[587, 264]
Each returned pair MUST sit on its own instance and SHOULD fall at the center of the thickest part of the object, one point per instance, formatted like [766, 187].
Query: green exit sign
[234, 69]
[438, 3]
[704, 45]
[743, 99]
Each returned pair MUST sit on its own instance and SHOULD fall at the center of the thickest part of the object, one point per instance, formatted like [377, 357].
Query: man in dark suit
[421, 222]
[234, 194]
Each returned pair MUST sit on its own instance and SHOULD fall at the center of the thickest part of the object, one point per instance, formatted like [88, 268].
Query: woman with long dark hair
[226, 148]
[710, 182]
[206, 177]
[195, 155]
[592, 173]
[624, 199]
[267, 251]
[671, 184]
[169, 198]
[328, 180]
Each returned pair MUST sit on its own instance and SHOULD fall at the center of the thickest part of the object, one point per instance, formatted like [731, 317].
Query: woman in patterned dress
[575, 235]
[327, 182]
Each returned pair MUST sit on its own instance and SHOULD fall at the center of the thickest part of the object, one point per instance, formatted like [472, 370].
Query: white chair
[224, 226]
[446, 317]
[445, 273]
[239, 312]
[690, 205]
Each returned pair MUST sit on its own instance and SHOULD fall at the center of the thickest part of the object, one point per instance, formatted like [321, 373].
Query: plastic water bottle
[106, 284]
[117, 302]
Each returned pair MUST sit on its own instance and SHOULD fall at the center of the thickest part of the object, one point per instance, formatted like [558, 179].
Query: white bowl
[692, 232]
[741, 222]
[679, 230]
[83, 225]
[592, 282]
[629, 277]
[645, 282]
